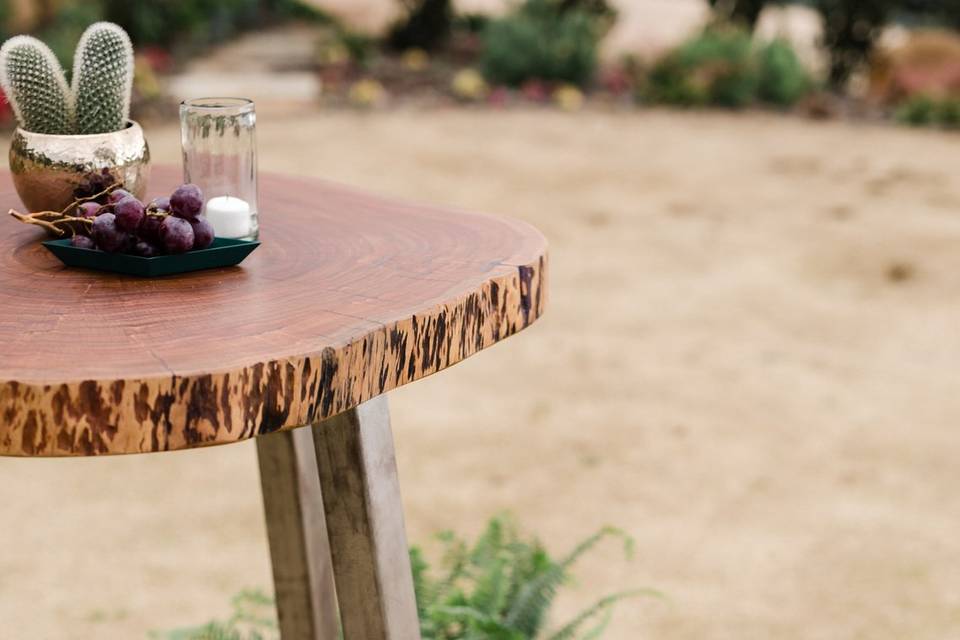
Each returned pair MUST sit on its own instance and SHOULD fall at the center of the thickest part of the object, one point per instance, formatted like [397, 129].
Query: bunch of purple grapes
[123, 224]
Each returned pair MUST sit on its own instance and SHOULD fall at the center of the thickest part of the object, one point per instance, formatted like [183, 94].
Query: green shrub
[194, 23]
[165, 23]
[850, 27]
[499, 588]
[602, 11]
[722, 67]
[783, 79]
[715, 68]
[539, 40]
[253, 618]
[924, 111]
[502, 587]
[948, 114]
[917, 111]
[670, 82]
[359, 46]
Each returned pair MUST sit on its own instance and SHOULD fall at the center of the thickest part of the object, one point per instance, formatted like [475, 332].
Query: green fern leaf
[480, 622]
[597, 631]
[490, 593]
[455, 561]
[490, 543]
[530, 607]
[602, 606]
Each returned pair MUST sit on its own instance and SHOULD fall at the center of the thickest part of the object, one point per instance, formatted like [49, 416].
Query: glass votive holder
[218, 136]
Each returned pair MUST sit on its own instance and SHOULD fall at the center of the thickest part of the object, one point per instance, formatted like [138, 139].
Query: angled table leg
[368, 543]
[299, 551]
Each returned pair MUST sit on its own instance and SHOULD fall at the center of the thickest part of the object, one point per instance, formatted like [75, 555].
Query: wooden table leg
[361, 498]
[299, 550]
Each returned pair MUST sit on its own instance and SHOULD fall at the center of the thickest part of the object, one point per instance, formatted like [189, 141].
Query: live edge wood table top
[349, 296]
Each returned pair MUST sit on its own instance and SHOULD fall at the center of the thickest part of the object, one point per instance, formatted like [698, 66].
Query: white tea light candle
[230, 217]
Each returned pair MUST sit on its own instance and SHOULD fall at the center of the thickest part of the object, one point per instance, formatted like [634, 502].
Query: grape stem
[112, 187]
[50, 219]
[37, 219]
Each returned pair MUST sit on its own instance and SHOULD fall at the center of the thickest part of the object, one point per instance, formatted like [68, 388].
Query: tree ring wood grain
[350, 296]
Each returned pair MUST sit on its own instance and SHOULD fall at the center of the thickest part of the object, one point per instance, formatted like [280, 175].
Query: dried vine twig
[50, 219]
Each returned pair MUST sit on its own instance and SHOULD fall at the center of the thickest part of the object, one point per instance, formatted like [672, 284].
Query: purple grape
[177, 235]
[107, 235]
[82, 242]
[187, 201]
[150, 228]
[131, 244]
[129, 212]
[145, 249]
[159, 204]
[95, 183]
[88, 210]
[117, 195]
[203, 233]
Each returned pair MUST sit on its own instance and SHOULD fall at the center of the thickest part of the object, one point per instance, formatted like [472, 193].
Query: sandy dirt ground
[749, 362]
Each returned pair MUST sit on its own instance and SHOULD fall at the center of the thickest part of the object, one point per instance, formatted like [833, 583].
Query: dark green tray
[222, 253]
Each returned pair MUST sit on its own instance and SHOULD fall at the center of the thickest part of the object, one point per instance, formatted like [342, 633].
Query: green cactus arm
[36, 87]
[103, 78]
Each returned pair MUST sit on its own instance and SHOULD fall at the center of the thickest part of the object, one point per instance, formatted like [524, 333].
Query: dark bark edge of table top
[98, 417]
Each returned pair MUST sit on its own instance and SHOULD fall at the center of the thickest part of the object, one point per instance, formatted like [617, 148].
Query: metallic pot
[51, 171]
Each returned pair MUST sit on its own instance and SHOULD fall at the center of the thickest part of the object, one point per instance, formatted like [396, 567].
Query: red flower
[6, 112]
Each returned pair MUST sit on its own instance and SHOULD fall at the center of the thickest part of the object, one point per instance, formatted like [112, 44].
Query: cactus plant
[103, 79]
[97, 102]
[35, 86]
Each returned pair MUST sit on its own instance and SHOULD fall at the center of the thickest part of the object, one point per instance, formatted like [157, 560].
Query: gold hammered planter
[50, 171]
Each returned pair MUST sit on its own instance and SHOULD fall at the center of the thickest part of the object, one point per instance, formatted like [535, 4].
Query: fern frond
[482, 622]
[490, 593]
[597, 631]
[254, 608]
[530, 607]
[490, 543]
[422, 589]
[455, 561]
[601, 606]
[530, 561]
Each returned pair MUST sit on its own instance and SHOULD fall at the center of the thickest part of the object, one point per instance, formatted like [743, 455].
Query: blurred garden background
[749, 360]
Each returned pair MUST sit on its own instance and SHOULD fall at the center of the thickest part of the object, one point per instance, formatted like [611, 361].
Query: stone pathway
[272, 65]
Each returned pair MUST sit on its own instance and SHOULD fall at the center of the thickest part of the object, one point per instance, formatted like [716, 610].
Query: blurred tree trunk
[850, 31]
[744, 12]
[427, 25]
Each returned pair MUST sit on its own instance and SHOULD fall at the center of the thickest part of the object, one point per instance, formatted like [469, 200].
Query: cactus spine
[35, 86]
[103, 79]
[98, 101]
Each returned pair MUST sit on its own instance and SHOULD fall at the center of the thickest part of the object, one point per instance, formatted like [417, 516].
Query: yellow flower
[415, 59]
[332, 53]
[367, 93]
[469, 85]
[568, 97]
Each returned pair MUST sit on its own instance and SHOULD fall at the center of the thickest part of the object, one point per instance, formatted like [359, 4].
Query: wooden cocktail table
[350, 296]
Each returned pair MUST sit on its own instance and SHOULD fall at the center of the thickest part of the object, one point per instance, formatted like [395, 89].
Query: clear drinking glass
[218, 136]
